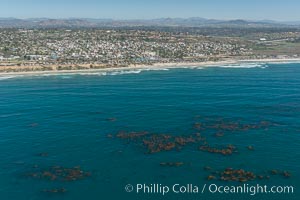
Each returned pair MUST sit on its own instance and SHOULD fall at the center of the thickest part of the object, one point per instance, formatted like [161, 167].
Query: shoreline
[158, 66]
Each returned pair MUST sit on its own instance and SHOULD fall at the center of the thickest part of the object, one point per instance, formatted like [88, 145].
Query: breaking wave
[192, 67]
[66, 75]
[247, 66]
[9, 77]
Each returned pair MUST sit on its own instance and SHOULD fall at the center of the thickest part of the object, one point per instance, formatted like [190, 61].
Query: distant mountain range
[171, 22]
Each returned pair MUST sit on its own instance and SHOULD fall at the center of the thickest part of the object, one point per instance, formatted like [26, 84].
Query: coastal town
[149, 100]
[73, 49]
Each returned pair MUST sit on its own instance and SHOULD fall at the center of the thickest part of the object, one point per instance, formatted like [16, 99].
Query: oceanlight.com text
[162, 189]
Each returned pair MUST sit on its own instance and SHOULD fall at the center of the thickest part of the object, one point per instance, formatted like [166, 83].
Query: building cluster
[113, 47]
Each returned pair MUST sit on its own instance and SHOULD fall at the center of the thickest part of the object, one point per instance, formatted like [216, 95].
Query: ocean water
[65, 120]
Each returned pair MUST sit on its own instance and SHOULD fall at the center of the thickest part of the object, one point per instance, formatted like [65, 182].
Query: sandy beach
[154, 66]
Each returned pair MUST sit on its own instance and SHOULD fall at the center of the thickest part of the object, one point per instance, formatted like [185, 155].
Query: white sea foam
[247, 66]
[9, 77]
[191, 67]
[121, 72]
[155, 69]
[67, 75]
[287, 62]
[91, 73]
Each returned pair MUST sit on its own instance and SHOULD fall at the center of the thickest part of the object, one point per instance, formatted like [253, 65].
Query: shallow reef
[155, 143]
[228, 150]
[58, 173]
[242, 175]
[160, 142]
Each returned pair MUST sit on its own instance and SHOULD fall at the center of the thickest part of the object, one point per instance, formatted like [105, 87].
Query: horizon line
[130, 19]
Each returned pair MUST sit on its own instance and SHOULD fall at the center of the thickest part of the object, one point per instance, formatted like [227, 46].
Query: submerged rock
[171, 164]
[55, 191]
[58, 173]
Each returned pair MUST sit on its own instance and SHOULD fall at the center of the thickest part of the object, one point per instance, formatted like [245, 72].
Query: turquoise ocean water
[65, 120]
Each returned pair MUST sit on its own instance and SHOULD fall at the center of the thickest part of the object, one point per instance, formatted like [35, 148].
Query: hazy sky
[284, 10]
